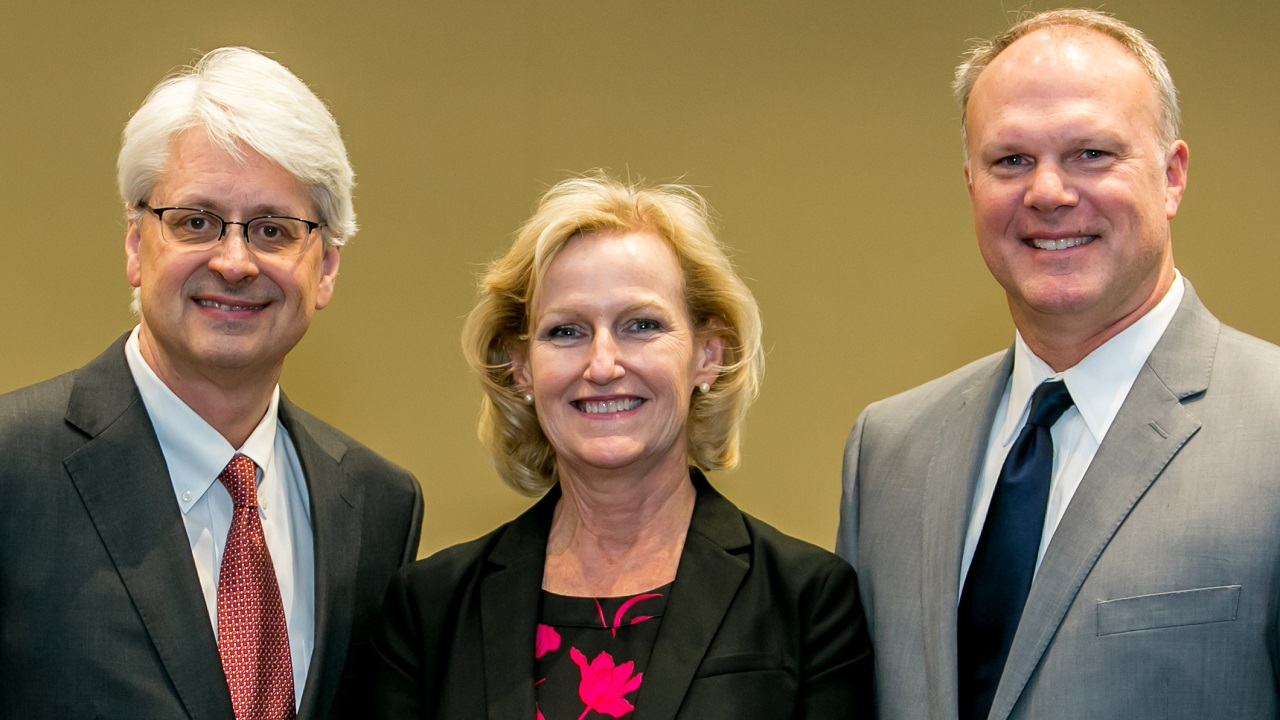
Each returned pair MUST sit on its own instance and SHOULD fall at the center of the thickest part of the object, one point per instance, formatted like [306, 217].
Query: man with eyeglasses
[180, 540]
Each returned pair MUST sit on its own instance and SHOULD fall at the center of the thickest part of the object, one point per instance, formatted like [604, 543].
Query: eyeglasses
[195, 229]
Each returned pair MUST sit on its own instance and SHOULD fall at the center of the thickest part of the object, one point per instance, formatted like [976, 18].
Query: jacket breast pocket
[1168, 609]
[743, 662]
[740, 685]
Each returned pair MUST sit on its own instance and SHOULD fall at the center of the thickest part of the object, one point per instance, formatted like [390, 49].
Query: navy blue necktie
[995, 590]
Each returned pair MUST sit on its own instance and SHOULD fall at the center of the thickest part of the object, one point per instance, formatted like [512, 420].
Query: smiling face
[1071, 190]
[613, 358]
[225, 311]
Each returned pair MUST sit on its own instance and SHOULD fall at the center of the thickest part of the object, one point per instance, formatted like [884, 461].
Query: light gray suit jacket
[1159, 593]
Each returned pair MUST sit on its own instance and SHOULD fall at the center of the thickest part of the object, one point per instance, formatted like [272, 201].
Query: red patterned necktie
[252, 638]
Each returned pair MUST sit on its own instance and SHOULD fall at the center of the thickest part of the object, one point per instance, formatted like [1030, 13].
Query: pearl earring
[528, 398]
[704, 388]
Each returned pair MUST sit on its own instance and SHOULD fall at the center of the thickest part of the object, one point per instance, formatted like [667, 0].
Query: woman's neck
[618, 535]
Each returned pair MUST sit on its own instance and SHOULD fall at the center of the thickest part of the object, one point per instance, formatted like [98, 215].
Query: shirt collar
[1101, 381]
[194, 452]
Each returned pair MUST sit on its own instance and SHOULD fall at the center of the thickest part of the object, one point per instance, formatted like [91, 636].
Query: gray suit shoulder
[1237, 343]
[1248, 368]
[392, 497]
[355, 457]
[33, 422]
[923, 399]
[45, 398]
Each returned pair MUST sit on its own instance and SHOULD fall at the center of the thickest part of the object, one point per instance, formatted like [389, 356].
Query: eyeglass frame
[312, 226]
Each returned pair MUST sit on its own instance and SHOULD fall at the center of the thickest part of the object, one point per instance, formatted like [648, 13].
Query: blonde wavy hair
[717, 299]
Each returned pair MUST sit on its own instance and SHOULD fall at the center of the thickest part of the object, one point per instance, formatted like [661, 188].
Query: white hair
[242, 98]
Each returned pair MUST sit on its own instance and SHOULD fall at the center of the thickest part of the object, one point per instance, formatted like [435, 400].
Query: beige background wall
[822, 132]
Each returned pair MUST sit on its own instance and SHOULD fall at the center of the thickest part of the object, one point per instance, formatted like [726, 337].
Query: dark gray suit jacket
[101, 613]
[1159, 593]
[758, 626]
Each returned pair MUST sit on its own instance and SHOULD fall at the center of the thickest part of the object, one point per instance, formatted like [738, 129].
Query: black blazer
[101, 613]
[758, 625]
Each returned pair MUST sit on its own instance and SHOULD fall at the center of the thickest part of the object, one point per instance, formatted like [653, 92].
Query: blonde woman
[619, 352]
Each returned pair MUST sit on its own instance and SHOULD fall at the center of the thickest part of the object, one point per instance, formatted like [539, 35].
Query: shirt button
[262, 504]
[186, 496]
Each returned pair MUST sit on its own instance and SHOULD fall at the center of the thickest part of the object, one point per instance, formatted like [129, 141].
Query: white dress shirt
[195, 454]
[1098, 384]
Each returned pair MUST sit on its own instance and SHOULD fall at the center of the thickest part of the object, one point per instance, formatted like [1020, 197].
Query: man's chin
[236, 353]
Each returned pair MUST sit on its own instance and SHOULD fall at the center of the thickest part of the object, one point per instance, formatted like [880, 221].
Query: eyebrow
[200, 202]
[633, 308]
[1084, 140]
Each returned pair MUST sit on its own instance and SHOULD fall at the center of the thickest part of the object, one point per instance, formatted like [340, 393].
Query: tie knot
[240, 477]
[1048, 403]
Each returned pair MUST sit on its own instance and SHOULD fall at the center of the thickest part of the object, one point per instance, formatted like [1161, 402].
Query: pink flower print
[547, 639]
[617, 618]
[604, 684]
[535, 707]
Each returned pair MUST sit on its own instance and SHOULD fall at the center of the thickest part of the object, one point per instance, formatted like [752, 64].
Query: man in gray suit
[1118, 557]
[178, 539]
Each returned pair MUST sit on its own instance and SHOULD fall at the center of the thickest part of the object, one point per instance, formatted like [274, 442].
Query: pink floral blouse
[591, 653]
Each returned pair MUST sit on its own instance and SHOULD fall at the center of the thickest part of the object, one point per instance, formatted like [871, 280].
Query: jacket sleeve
[836, 680]
[847, 532]
[396, 687]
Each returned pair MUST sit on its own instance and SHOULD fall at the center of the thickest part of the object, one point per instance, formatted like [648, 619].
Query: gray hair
[242, 98]
[1084, 20]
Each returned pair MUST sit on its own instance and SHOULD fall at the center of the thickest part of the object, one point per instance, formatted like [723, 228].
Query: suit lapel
[710, 571]
[122, 479]
[952, 477]
[509, 602]
[1151, 427]
[335, 531]
[707, 580]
